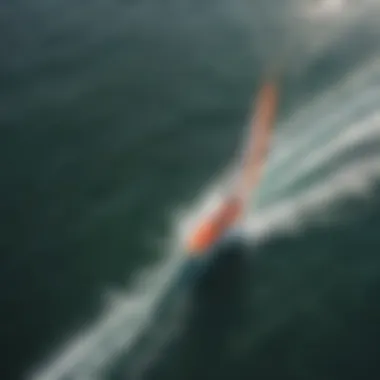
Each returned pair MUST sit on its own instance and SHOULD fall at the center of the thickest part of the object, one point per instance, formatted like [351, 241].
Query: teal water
[117, 115]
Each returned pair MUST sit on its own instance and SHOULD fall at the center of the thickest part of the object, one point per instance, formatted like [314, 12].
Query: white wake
[340, 119]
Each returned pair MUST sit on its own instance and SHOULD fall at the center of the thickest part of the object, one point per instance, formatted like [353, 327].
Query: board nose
[203, 237]
[212, 229]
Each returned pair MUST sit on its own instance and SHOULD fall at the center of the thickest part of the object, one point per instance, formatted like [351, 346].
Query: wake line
[115, 330]
[88, 353]
[118, 325]
[94, 348]
[300, 146]
[322, 110]
[363, 132]
[355, 180]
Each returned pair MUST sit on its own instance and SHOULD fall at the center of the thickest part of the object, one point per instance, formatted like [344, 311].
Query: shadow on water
[305, 307]
[196, 322]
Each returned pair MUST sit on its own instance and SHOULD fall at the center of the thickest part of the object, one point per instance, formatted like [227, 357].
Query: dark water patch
[302, 307]
[203, 314]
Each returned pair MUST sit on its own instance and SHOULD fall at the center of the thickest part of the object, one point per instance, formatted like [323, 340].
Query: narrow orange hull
[213, 227]
[231, 210]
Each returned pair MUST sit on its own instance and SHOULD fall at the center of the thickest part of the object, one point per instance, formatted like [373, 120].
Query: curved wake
[308, 171]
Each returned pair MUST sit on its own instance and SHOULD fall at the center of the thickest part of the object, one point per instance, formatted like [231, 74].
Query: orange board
[213, 227]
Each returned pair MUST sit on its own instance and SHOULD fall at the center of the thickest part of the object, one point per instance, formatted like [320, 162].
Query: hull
[233, 208]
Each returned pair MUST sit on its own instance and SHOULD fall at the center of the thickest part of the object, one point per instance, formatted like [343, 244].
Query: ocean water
[119, 123]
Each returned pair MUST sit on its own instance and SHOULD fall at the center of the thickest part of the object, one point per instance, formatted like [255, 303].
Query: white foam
[316, 126]
[117, 326]
[291, 213]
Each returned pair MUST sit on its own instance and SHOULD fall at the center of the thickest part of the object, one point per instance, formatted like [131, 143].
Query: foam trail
[92, 350]
[291, 213]
[363, 132]
[326, 113]
[326, 117]
[86, 355]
